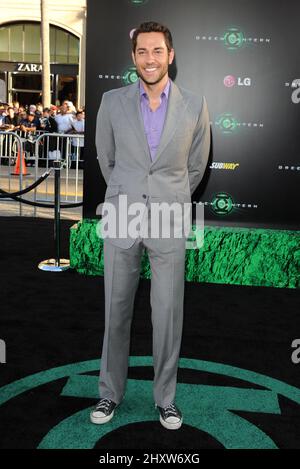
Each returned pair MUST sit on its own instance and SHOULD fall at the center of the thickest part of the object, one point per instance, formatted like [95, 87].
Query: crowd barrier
[45, 146]
[21, 151]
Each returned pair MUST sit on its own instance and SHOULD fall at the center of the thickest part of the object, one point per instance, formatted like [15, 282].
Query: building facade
[20, 51]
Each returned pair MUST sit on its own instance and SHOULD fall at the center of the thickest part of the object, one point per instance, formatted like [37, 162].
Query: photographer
[47, 122]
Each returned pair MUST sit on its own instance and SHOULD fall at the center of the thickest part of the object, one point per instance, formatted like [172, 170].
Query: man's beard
[160, 77]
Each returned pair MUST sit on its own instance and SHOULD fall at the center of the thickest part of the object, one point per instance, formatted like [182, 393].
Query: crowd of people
[64, 119]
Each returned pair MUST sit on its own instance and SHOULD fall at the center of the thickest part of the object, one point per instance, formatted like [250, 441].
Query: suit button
[144, 196]
[150, 173]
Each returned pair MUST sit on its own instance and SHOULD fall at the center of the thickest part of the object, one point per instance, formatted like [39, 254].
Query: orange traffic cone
[18, 165]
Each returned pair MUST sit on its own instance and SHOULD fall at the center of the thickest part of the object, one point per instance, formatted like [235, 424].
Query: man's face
[64, 108]
[80, 116]
[152, 57]
[30, 117]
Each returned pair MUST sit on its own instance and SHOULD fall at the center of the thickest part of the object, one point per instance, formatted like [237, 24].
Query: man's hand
[28, 129]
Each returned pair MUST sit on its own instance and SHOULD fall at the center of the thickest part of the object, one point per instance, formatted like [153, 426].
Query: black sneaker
[103, 412]
[170, 417]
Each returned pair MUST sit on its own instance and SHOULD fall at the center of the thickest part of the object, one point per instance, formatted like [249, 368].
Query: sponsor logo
[226, 166]
[230, 81]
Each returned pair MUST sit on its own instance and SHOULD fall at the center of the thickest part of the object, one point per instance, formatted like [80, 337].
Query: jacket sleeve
[199, 152]
[53, 125]
[105, 143]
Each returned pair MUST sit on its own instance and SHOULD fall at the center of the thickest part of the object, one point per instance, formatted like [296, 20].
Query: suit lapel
[131, 104]
[175, 111]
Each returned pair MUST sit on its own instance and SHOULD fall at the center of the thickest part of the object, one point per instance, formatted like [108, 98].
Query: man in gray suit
[152, 142]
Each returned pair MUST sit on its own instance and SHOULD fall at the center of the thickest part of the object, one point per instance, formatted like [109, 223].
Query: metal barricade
[40, 150]
[63, 147]
[10, 146]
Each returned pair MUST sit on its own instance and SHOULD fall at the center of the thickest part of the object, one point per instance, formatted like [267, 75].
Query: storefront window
[4, 43]
[21, 43]
[73, 50]
[16, 43]
[2, 88]
[22, 81]
[32, 45]
[27, 88]
[61, 47]
[52, 44]
[67, 88]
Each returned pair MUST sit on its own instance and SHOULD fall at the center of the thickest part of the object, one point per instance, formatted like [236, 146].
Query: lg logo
[230, 81]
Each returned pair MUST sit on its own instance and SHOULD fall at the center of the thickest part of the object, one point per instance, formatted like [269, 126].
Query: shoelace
[171, 410]
[104, 403]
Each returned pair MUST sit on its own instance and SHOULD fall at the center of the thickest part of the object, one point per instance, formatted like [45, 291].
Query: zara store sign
[26, 67]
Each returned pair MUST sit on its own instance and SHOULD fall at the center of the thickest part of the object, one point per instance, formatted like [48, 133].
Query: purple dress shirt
[154, 120]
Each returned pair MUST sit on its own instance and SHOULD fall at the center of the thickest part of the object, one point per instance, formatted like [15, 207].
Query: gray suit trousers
[121, 278]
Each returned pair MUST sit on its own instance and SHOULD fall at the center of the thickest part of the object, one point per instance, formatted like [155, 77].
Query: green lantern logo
[213, 409]
[234, 39]
[222, 204]
[227, 123]
[129, 76]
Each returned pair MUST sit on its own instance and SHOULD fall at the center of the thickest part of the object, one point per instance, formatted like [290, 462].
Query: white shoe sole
[101, 420]
[170, 426]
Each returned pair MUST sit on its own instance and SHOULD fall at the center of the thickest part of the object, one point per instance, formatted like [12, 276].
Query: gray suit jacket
[124, 155]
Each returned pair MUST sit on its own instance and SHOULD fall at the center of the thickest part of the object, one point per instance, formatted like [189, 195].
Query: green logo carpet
[208, 408]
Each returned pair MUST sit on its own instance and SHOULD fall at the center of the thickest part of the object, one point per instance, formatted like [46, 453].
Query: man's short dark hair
[149, 27]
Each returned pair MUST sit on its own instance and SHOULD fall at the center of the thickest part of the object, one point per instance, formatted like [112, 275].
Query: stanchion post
[57, 168]
[57, 264]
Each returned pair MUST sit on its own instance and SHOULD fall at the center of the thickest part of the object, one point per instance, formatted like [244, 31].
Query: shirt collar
[165, 92]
